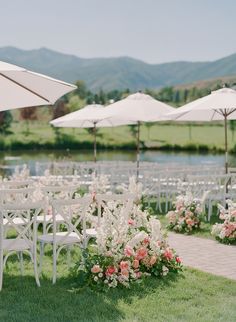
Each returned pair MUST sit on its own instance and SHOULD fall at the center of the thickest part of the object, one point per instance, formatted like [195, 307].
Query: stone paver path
[205, 254]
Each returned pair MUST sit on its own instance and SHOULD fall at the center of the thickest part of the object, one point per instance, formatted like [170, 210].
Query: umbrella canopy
[219, 105]
[91, 116]
[21, 88]
[139, 107]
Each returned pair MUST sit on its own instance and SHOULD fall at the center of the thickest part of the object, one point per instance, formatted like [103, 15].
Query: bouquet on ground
[129, 247]
[187, 214]
[226, 231]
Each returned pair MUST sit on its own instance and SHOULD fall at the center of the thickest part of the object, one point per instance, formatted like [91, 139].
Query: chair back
[73, 212]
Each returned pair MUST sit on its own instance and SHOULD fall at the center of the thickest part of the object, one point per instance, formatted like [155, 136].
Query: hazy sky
[155, 31]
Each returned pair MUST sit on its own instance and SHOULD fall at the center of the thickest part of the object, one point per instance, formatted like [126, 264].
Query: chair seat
[16, 221]
[48, 218]
[15, 244]
[91, 232]
[61, 238]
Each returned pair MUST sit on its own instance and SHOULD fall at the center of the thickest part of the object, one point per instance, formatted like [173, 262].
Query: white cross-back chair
[18, 196]
[16, 184]
[70, 232]
[25, 235]
[51, 193]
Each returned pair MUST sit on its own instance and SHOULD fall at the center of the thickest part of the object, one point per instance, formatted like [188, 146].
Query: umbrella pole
[95, 143]
[138, 150]
[226, 144]
[226, 154]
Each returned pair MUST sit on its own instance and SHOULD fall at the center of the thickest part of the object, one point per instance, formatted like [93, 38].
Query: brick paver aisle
[205, 254]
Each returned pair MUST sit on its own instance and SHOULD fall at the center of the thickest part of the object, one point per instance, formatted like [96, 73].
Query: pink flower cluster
[139, 261]
[226, 232]
[186, 215]
[129, 246]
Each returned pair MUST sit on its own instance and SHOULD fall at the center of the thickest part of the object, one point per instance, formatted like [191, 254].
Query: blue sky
[151, 30]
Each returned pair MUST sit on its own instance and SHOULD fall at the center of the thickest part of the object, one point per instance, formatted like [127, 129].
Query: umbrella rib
[213, 115]
[233, 110]
[26, 88]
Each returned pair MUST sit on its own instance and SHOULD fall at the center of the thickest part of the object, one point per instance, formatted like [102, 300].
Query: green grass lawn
[190, 296]
[157, 136]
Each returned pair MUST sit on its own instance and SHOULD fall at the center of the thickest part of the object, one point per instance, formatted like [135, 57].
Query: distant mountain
[117, 73]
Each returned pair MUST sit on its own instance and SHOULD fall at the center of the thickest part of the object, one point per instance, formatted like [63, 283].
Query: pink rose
[168, 254]
[178, 259]
[153, 260]
[146, 241]
[141, 253]
[125, 272]
[135, 264]
[128, 251]
[110, 270]
[138, 274]
[124, 265]
[95, 269]
[189, 222]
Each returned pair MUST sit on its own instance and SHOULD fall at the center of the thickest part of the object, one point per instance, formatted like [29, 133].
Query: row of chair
[67, 220]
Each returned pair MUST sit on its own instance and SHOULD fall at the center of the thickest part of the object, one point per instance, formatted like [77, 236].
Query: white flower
[165, 270]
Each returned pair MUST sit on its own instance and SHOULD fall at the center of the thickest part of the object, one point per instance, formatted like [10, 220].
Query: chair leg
[69, 256]
[54, 276]
[20, 256]
[1, 271]
[41, 254]
[36, 268]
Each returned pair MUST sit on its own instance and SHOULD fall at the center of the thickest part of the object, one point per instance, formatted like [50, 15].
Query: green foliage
[5, 122]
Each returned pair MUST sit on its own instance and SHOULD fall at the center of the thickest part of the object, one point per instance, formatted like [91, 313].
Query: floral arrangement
[99, 184]
[187, 214]
[226, 231]
[129, 246]
[135, 188]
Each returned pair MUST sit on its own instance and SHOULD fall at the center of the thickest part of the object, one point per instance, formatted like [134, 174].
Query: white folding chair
[72, 232]
[25, 234]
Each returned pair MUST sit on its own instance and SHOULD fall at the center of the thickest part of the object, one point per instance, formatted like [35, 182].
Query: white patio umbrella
[139, 107]
[91, 116]
[20, 87]
[219, 105]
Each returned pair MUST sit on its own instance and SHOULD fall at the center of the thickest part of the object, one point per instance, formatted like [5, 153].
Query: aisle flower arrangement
[129, 247]
[226, 231]
[186, 216]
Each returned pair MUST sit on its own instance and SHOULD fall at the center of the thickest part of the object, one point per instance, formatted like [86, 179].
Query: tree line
[82, 96]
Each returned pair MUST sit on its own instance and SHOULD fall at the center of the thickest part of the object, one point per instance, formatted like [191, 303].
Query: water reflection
[30, 157]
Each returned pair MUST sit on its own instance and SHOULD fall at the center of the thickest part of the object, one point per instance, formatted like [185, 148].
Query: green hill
[117, 73]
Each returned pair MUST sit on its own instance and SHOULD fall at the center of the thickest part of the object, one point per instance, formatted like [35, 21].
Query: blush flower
[178, 259]
[124, 265]
[110, 270]
[141, 253]
[153, 260]
[135, 264]
[125, 272]
[168, 254]
[95, 269]
[128, 251]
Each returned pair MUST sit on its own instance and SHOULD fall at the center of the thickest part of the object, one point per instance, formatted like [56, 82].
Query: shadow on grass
[64, 302]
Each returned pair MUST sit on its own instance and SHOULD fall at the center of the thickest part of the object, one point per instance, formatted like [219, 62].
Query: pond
[188, 158]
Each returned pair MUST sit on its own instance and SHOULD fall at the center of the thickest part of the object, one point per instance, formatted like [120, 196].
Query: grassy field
[189, 297]
[157, 136]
